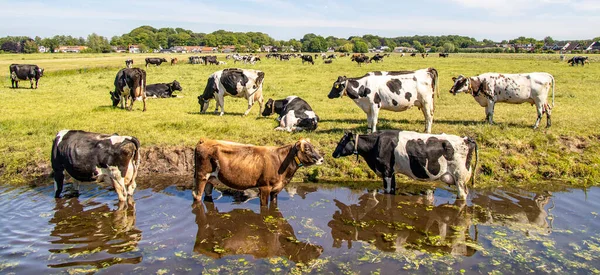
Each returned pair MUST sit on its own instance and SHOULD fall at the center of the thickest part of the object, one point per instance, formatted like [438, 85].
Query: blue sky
[285, 19]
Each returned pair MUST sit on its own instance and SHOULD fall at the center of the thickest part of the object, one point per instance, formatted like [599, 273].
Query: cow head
[175, 86]
[339, 87]
[41, 72]
[115, 97]
[163, 59]
[461, 85]
[269, 108]
[307, 154]
[346, 146]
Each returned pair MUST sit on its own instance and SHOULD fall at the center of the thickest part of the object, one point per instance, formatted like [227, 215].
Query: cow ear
[454, 78]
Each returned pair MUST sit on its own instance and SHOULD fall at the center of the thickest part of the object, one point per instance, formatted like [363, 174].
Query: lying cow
[129, 83]
[242, 166]
[129, 63]
[294, 114]
[163, 90]
[25, 72]
[491, 88]
[234, 82]
[155, 61]
[308, 58]
[86, 156]
[423, 157]
[394, 91]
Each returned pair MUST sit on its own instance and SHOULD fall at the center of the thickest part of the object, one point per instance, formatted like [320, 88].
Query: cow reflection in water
[93, 234]
[243, 232]
[397, 223]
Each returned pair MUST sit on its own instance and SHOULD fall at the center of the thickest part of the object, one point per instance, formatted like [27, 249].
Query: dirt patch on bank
[574, 144]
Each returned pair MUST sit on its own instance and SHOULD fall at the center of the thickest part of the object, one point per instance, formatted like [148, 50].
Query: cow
[129, 63]
[269, 168]
[222, 63]
[413, 54]
[360, 59]
[424, 55]
[308, 58]
[423, 157]
[173, 61]
[402, 55]
[234, 82]
[491, 88]
[328, 61]
[25, 72]
[163, 90]
[155, 61]
[196, 60]
[576, 60]
[210, 60]
[87, 156]
[265, 235]
[294, 114]
[377, 58]
[444, 55]
[129, 83]
[394, 91]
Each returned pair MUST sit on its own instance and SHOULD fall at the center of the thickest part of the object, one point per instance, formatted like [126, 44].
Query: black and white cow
[155, 61]
[294, 114]
[423, 157]
[25, 72]
[129, 63]
[394, 91]
[234, 82]
[444, 55]
[308, 58]
[86, 156]
[491, 88]
[129, 83]
[163, 90]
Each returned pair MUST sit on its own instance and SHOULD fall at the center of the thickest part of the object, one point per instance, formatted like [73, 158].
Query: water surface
[316, 228]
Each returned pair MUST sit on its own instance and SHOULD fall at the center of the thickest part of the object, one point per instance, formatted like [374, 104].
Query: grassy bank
[74, 95]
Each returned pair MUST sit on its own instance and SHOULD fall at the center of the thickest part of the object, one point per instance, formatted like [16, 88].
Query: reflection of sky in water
[335, 228]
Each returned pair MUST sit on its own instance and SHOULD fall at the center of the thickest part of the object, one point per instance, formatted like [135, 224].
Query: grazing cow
[253, 59]
[423, 157]
[413, 54]
[444, 55]
[210, 60]
[360, 59]
[129, 63]
[269, 168]
[329, 61]
[331, 56]
[25, 72]
[377, 58]
[308, 58]
[394, 91]
[285, 57]
[163, 90]
[316, 56]
[576, 60]
[155, 61]
[490, 88]
[86, 156]
[196, 60]
[129, 83]
[173, 61]
[234, 82]
[294, 114]
[424, 55]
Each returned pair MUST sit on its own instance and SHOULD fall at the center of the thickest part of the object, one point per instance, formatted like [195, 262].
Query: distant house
[69, 49]
[574, 46]
[228, 49]
[525, 47]
[595, 46]
[193, 49]
[209, 50]
[118, 49]
[267, 49]
[404, 49]
[42, 49]
[134, 48]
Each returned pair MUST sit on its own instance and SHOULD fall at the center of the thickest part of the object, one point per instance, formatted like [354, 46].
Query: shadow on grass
[217, 114]
[501, 125]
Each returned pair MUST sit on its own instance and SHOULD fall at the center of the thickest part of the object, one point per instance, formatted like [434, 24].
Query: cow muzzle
[320, 161]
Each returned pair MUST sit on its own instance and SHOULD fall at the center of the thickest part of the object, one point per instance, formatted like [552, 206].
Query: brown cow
[243, 166]
[173, 61]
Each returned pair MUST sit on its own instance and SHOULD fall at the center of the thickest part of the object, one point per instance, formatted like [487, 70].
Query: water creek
[317, 228]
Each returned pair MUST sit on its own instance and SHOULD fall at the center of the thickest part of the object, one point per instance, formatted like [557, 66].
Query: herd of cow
[115, 159]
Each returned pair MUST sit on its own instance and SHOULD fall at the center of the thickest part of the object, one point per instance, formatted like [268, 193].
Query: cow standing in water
[86, 156]
[423, 157]
[129, 83]
[25, 72]
[243, 166]
[394, 91]
[234, 82]
[491, 88]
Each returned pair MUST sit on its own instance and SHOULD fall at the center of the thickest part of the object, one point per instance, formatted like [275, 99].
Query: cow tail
[434, 77]
[553, 85]
[474, 172]
[136, 154]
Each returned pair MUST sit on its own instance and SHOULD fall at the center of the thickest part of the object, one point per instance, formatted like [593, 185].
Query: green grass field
[73, 94]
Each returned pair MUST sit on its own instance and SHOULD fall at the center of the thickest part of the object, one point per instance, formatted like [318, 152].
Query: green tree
[98, 43]
[29, 46]
[360, 47]
[347, 48]
[418, 46]
[449, 47]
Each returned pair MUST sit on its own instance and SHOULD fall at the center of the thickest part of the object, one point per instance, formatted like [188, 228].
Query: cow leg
[118, 183]
[16, 84]
[540, 111]
[31, 82]
[548, 114]
[260, 104]
[220, 103]
[389, 183]
[208, 190]
[59, 178]
[144, 100]
[250, 103]
[36, 83]
[374, 118]
[131, 103]
[428, 114]
[264, 193]
[489, 112]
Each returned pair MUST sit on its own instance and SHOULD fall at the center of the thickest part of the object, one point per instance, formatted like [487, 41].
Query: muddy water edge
[317, 228]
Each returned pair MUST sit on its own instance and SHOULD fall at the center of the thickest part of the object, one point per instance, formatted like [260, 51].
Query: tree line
[150, 38]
